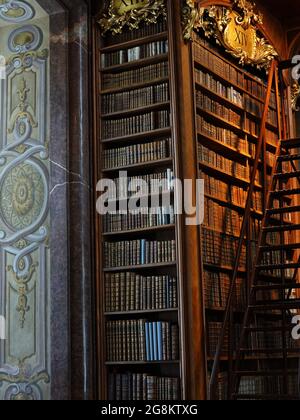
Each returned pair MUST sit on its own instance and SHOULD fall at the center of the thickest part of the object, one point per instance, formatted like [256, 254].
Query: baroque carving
[130, 13]
[235, 28]
[16, 11]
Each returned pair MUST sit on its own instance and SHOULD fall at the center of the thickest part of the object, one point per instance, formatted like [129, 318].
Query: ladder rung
[271, 278]
[267, 329]
[266, 397]
[284, 247]
[276, 304]
[282, 228]
[290, 143]
[293, 191]
[288, 158]
[286, 286]
[269, 351]
[284, 210]
[278, 266]
[266, 373]
[288, 175]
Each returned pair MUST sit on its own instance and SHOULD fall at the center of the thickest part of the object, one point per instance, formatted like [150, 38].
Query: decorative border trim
[215, 21]
[112, 21]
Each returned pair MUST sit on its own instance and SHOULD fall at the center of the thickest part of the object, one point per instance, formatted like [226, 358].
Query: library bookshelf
[228, 103]
[139, 293]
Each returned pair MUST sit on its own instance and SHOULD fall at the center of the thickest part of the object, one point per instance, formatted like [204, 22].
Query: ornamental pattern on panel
[24, 205]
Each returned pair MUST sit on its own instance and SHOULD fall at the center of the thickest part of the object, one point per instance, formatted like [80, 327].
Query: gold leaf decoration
[235, 28]
[122, 13]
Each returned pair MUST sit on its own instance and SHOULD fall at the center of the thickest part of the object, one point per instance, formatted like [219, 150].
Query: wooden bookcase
[135, 76]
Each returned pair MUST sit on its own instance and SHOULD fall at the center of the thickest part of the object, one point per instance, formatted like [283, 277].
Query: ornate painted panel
[25, 366]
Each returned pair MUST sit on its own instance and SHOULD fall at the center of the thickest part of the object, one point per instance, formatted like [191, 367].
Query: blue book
[155, 341]
[151, 341]
[159, 341]
[143, 251]
[147, 341]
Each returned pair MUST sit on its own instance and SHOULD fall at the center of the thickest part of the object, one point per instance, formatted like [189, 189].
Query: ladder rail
[216, 364]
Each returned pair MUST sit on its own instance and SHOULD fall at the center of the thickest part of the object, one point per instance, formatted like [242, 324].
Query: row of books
[138, 252]
[137, 153]
[204, 53]
[129, 78]
[211, 158]
[136, 124]
[129, 291]
[135, 98]
[270, 339]
[229, 193]
[143, 31]
[133, 54]
[222, 135]
[144, 184]
[204, 57]
[138, 219]
[142, 387]
[217, 286]
[210, 82]
[222, 218]
[259, 90]
[208, 104]
[220, 249]
[141, 341]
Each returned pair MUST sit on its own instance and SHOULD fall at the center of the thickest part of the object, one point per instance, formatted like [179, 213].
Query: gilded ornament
[131, 13]
[295, 96]
[23, 290]
[235, 28]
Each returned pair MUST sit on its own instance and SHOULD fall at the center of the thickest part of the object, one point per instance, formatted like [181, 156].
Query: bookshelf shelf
[233, 205]
[221, 267]
[135, 64]
[165, 362]
[223, 148]
[146, 311]
[140, 267]
[139, 136]
[135, 42]
[219, 97]
[125, 88]
[139, 110]
[160, 194]
[222, 175]
[149, 230]
[220, 120]
[139, 166]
